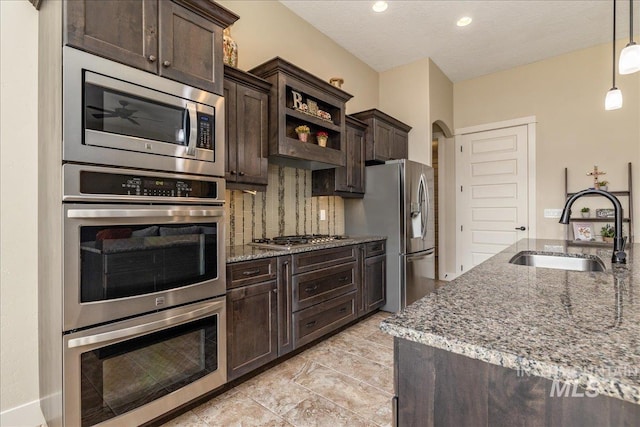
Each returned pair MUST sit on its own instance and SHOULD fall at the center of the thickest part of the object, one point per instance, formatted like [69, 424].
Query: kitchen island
[508, 344]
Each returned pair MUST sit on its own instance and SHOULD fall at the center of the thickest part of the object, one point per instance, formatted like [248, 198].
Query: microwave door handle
[142, 213]
[191, 128]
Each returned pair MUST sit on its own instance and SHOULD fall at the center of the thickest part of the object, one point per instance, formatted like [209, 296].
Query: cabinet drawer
[321, 319]
[322, 285]
[247, 273]
[374, 248]
[314, 260]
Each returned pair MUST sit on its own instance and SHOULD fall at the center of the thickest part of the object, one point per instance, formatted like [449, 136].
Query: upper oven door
[120, 116]
[126, 260]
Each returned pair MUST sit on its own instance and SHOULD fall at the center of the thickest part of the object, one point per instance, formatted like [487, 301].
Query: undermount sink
[573, 262]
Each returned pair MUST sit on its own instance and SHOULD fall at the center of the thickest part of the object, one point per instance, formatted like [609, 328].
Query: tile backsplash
[286, 208]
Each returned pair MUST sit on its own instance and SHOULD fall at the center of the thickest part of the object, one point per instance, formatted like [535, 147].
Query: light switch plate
[552, 213]
[323, 215]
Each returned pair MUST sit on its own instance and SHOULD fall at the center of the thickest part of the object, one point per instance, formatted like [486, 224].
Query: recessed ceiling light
[464, 21]
[380, 6]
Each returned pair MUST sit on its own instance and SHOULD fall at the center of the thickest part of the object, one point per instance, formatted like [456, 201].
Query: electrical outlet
[552, 213]
[323, 215]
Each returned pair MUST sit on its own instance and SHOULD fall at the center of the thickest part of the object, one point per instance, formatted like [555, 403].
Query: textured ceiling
[503, 34]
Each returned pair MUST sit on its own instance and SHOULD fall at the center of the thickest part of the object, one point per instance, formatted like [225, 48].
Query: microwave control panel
[150, 186]
[205, 131]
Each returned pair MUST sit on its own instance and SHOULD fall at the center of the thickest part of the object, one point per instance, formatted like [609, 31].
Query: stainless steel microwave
[120, 116]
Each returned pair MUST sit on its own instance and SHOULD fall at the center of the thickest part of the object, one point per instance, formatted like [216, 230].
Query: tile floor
[346, 380]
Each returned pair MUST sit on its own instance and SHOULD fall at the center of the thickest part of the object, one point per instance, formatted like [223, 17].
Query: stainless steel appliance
[132, 371]
[128, 259]
[144, 326]
[285, 243]
[399, 204]
[120, 116]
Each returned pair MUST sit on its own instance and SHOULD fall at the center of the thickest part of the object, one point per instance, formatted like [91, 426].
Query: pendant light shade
[630, 59]
[613, 100]
[630, 55]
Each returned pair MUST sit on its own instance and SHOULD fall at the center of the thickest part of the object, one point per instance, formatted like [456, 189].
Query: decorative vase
[230, 48]
[607, 239]
[604, 187]
[322, 141]
[585, 214]
[303, 137]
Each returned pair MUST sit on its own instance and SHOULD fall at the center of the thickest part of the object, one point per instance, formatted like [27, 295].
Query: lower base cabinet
[275, 305]
[252, 328]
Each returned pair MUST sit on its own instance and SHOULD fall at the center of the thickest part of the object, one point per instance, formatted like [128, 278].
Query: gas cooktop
[285, 243]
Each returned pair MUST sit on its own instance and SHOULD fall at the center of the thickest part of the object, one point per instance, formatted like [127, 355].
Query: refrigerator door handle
[422, 255]
[425, 202]
[418, 218]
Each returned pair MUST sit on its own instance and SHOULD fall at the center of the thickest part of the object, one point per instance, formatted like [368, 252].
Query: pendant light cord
[614, 44]
[631, 22]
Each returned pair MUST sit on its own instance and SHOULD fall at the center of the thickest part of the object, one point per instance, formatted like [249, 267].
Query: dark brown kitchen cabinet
[252, 327]
[246, 130]
[285, 298]
[177, 39]
[347, 181]
[300, 98]
[252, 315]
[386, 138]
[372, 285]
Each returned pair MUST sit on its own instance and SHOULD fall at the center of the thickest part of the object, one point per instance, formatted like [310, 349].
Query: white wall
[267, 29]
[18, 206]
[566, 94]
[404, 94]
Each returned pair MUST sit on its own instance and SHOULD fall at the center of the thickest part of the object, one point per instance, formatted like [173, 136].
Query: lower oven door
[133, 371]
[127, 260]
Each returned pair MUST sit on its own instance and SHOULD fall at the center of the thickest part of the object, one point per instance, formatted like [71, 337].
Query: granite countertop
[578, 327]
[247, 252]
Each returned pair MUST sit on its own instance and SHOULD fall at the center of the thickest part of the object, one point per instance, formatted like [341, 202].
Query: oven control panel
[149, 186]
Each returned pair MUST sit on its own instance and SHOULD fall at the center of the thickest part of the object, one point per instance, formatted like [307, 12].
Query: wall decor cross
[595, 173]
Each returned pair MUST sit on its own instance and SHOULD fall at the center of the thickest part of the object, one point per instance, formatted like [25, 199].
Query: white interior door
[493, 209]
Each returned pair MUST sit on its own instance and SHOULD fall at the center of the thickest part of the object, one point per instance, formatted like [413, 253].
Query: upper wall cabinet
[246, 130]
[387, 138]
[177, 39]
[345, 181]
[301, 99]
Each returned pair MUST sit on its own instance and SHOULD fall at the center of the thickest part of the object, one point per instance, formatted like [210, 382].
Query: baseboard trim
[27, 415]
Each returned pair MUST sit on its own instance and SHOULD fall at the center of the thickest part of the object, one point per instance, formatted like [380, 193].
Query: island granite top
[577, 327]
[247, 252]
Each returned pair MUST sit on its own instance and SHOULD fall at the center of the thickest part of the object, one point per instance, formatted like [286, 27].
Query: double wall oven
[144, 326]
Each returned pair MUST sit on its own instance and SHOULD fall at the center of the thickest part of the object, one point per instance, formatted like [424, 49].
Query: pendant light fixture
[630, 55]
[613, 101]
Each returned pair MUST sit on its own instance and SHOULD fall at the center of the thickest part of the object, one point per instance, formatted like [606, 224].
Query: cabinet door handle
[241, 173]
[310, 288]
[251, 272]
[522, 228]
[342, 310]
[152, 58]
[232, 172]
[343, 279]
[311, 324]
[166, 63]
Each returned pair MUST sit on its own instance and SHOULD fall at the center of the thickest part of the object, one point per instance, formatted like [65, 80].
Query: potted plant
[608, 232]
[603, 185]
[303, 132]
[321, 137]
[585, 212]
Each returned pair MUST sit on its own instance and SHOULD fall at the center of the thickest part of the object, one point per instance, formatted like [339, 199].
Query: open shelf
[627, 205]
[312, 119]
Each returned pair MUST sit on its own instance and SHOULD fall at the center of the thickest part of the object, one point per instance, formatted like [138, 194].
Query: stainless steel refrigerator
[398, 203]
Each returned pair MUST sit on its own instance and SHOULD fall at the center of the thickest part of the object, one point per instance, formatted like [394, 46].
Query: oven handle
[142, 213]
[134, 331]
[193, 129]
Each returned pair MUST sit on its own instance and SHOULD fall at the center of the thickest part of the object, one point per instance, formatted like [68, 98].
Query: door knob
[152, 58]
[166, 63]
[521, 228]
